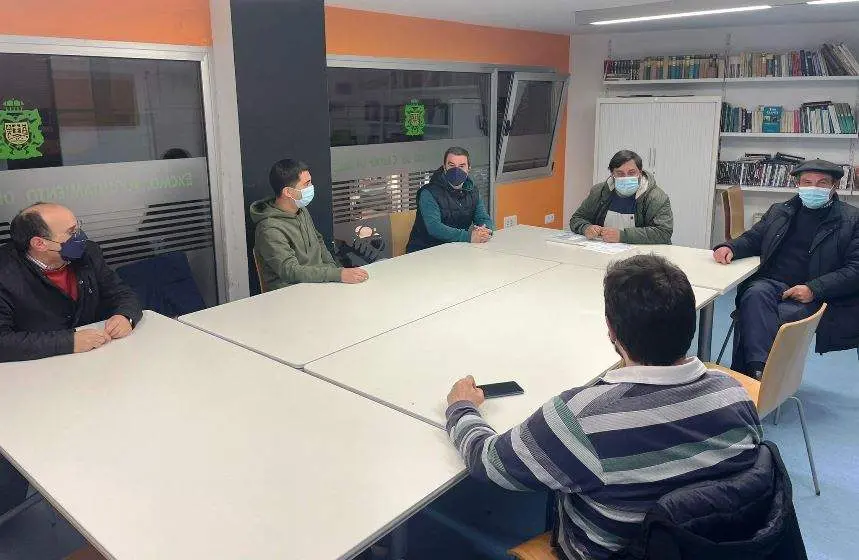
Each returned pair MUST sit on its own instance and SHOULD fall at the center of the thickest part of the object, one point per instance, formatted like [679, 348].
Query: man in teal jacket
[287, 244]
[449, 207]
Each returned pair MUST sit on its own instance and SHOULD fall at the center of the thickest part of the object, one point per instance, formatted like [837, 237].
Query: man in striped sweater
[610, 450]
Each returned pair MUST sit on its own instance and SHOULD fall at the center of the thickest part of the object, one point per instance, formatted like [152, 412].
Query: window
[372, 105]
[534, 103]
[120, 141]
[389, 131]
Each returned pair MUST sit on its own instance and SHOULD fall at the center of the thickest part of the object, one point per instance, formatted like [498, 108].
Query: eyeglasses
[823, 183]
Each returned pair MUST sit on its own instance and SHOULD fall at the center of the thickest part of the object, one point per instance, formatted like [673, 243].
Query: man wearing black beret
[809, 249]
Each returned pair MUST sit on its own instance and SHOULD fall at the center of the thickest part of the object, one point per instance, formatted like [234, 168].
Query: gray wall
[279, 48]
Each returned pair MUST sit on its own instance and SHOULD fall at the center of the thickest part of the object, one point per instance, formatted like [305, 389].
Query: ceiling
[557, 16]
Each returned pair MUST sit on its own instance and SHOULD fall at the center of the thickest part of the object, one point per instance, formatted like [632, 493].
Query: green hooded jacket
[289, 248]
[654, 221]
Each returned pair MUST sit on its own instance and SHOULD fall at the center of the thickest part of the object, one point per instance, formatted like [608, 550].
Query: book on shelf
[673, 67]
[771, 118]
[813, 117]
[831, 59]
[761, 170]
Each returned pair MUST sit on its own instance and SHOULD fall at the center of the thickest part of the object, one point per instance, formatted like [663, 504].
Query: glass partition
[389, 131]
[119, 141]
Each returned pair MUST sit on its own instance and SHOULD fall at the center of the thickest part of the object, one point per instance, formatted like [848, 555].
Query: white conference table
[698, 264]
[305, 322]
[532, 241]
[546, 332]
[173, 444]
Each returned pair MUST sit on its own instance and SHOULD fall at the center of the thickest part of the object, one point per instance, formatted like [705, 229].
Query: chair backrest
[401, 230]
[258, 267]
[164, 283]
[783, 371]
[732, 204]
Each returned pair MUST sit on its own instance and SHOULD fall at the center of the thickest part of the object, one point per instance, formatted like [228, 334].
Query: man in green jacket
[286, 241]
[628, 207]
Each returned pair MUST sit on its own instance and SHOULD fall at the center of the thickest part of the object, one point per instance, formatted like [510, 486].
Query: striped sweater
[610, 450]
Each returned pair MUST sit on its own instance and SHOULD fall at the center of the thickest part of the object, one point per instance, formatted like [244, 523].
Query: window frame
[500, 176]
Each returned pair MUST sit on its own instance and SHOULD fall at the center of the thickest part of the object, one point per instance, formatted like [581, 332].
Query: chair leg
[777, 416]
[399, 542]
[20, 508]
[807, 443]
[725, 344]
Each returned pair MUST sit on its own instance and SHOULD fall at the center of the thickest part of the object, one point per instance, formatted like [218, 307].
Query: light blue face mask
[306, 196]
[814, 197]
[626, 186]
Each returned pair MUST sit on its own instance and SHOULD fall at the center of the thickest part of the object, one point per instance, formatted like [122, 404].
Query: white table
[531, 241]
[301, 323]
[698, 264]
[546, 332]
[702, 270]
[173, 444]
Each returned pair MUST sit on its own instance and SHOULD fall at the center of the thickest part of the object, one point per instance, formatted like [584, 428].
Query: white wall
[587, 53]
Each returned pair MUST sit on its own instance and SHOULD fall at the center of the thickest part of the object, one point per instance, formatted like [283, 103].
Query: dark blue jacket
[833, 265]
[164, 284]
[746, 516]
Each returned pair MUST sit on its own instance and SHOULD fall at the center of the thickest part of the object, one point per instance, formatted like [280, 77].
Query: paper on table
[567, 238]
[603, 247]
[594, 245]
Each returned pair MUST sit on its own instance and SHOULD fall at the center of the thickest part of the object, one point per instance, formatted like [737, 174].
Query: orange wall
[178, 22]
[359, 33]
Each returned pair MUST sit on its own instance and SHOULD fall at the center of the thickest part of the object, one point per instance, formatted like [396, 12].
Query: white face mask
[626, 186]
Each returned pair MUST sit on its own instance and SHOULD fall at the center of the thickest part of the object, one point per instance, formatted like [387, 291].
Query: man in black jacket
[809, 249]
[52, 280]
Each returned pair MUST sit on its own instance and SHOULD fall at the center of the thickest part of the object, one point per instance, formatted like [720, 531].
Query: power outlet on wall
[510, 221]
[550, 219]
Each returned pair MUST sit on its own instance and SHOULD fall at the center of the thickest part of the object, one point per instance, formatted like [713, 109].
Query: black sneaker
[755, 369]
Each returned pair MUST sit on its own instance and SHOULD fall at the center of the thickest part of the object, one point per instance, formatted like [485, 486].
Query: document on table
[603, 247]
[594, 245]
[567, 238]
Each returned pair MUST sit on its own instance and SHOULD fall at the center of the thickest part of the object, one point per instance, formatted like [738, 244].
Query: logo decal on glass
[20, 131]
[415, 118]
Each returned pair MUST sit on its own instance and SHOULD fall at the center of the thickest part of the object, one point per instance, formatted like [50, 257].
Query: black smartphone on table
[504, 389]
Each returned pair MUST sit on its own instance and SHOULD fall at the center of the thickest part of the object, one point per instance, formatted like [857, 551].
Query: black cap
[821, 166]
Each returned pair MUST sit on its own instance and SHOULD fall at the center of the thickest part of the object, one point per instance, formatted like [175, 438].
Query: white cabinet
[678, 141]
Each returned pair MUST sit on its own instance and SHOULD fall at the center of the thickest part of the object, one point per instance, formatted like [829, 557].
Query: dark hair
[176, 153]
[622, 157]
[456, 151]
[650, 306]
[285, 173]
[27, 224]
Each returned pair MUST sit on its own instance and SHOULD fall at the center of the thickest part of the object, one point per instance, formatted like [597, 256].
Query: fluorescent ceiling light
[824, 2]
[688, 14]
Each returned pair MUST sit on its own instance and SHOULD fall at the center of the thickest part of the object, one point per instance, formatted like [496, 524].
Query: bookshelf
[782, 190]
[711, 81]
[788, 135]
